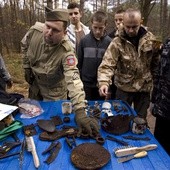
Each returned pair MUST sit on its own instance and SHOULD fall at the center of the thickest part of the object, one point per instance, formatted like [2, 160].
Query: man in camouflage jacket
[132, 59]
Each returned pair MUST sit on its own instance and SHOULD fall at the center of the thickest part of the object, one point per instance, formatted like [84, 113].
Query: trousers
[140, 101]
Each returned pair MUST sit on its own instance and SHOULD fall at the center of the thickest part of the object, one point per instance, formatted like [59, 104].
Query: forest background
[17, 16]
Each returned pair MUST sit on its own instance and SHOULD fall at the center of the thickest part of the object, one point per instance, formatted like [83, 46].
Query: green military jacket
[133, 69]
[54, 67]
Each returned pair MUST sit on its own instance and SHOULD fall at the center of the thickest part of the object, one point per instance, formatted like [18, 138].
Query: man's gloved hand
[88, 123]
[29, 76]
[9, 83]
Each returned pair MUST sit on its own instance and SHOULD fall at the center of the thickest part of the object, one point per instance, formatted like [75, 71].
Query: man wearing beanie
[50, 68]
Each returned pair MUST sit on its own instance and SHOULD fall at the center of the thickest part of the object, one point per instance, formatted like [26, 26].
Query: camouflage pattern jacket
[54, 67]
[133, 69]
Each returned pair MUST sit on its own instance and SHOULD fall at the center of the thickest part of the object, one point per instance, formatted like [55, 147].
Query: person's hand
[120, 26]
[84, 122]
[9, 83]
[149, 110]
[103, 90]
[29, 77]
[157, 46]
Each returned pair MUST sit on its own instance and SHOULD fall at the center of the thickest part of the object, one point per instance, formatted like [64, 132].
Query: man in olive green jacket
[132, 59]
[50, 68]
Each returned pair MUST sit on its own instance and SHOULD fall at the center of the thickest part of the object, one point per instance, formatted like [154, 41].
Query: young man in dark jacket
[90, 53]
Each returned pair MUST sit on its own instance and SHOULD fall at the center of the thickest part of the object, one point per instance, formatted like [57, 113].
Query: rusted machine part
[117, 124]
[90, 156]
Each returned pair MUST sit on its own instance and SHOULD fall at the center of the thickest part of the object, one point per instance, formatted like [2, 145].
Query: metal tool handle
[140, 154]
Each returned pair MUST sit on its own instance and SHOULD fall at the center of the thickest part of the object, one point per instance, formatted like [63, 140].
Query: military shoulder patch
[71, 61]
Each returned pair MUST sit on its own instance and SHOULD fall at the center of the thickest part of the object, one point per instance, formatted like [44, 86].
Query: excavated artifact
[46, 125]
[117, 125]
[90, 156]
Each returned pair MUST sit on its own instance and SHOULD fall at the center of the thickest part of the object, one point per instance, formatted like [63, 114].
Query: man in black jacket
[160, 106]
[90, 53]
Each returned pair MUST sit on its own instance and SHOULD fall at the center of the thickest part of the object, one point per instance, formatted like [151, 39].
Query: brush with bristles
[31, 148]
[129, 150]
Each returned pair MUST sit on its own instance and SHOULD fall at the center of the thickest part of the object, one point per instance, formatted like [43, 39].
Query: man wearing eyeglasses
[76, 30]
[132, 58]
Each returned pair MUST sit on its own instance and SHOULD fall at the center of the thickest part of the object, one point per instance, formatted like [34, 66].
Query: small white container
[66, 107]
[106, 105]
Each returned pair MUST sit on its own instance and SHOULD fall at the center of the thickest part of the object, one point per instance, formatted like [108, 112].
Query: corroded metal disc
[90, 156]
[117, 125]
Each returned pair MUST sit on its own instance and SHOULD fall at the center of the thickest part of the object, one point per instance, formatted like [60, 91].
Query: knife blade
[128, 158]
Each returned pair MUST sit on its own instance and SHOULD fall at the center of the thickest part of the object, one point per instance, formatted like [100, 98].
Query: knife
[128, 158]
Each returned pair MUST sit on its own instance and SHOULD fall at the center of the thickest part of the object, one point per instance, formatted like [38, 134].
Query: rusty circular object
[100, 140]
[90, 156]
[117, 125]
[66, 119]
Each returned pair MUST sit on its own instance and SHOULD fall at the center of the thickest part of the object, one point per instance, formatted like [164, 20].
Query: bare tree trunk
[82, 5]
[82, 9]
[4, 27]
[95, 5]
[161, 16]
[101, 5]
[164, 18]
[1, 31]
[118, 2]
[50, 4]
[146, 7]
[55, 3]
[105, 5]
